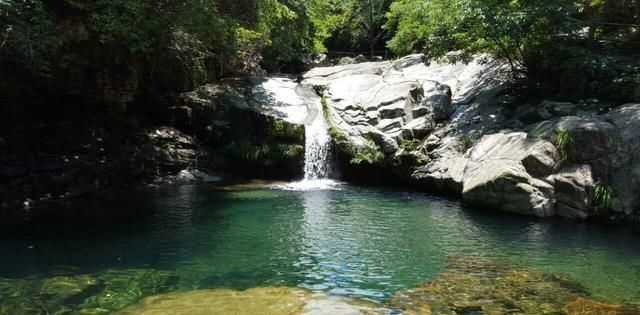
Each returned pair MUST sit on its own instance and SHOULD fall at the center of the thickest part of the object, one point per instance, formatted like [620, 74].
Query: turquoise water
[357, 241]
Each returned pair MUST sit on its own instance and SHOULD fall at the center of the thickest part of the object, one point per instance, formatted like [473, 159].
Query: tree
[507, 29]
[542, 40]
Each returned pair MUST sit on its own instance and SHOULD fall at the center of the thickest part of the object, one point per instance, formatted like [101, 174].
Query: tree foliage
[563, 46]
[53, 38]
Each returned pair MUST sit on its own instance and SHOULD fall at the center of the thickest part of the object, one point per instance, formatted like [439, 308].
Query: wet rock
[70, 289]
[505, 185]
[442, 174]
[560, 108]
[263, 300]
[582, 306]
[124, 287]
[539, 157]
[625, 179]
[574, 186]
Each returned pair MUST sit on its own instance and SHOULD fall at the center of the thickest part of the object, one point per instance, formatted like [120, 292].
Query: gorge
[318, 244]
[325, 157]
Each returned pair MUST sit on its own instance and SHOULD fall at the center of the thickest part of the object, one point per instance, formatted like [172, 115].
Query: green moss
[409, 144]
[249, 152]
[337, 135]
[124, 287]
[279, 128]
[464, 144]
[369, 153]
[325, 107]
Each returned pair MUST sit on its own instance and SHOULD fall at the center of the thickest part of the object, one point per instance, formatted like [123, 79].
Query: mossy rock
[17, 297]
[582, 306]
[474, 285]
[70, 288]
[55, 295]
[124, 287]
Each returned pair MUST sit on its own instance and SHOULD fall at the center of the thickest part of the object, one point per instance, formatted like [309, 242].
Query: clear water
[356, 241]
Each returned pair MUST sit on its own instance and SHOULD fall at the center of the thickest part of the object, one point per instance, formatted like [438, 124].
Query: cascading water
[317, 155]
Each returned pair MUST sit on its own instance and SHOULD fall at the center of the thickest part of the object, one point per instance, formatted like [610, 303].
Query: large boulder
[625, 179]
[592, 141]
[539, 157]
[444, 174]
[574, 186]
[436, 97]
[505, 185]
[499, 174]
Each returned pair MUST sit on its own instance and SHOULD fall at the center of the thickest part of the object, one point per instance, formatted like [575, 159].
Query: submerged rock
[83, 294]
[124, 287]
[474, 285]
[582, 306]
[70, 289]
[574, 187]
[263, 300]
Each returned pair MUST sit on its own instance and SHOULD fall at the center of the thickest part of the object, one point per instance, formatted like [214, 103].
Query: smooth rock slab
[263, 300]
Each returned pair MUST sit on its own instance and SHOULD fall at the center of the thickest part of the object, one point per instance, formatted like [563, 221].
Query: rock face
[500, 173]
[391, 102]
[253, 125]
[454, 128]
[574, 186]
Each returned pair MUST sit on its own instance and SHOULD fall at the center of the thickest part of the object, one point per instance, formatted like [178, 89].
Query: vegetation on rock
[567, 48]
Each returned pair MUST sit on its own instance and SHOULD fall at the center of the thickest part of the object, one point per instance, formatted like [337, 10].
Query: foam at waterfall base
[311, 184]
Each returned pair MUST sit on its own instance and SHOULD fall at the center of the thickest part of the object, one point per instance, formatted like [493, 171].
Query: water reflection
[363, 242]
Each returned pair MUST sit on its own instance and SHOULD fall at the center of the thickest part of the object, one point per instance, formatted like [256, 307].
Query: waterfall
[317, 154]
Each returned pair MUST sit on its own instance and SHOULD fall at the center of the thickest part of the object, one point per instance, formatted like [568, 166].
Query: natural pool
[362, 242]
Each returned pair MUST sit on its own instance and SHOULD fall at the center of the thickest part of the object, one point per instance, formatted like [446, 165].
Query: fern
[603, 196]
[563, 141]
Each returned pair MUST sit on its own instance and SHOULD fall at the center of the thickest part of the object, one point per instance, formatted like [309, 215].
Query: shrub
[464, 144]
[368, 153]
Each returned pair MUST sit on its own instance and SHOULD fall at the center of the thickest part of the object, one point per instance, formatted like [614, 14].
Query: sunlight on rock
[264, 300]
[474, 285]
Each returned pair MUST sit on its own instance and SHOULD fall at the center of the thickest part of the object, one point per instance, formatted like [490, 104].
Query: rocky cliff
[455, 128]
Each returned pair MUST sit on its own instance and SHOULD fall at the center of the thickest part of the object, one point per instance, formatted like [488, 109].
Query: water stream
[317, 156]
